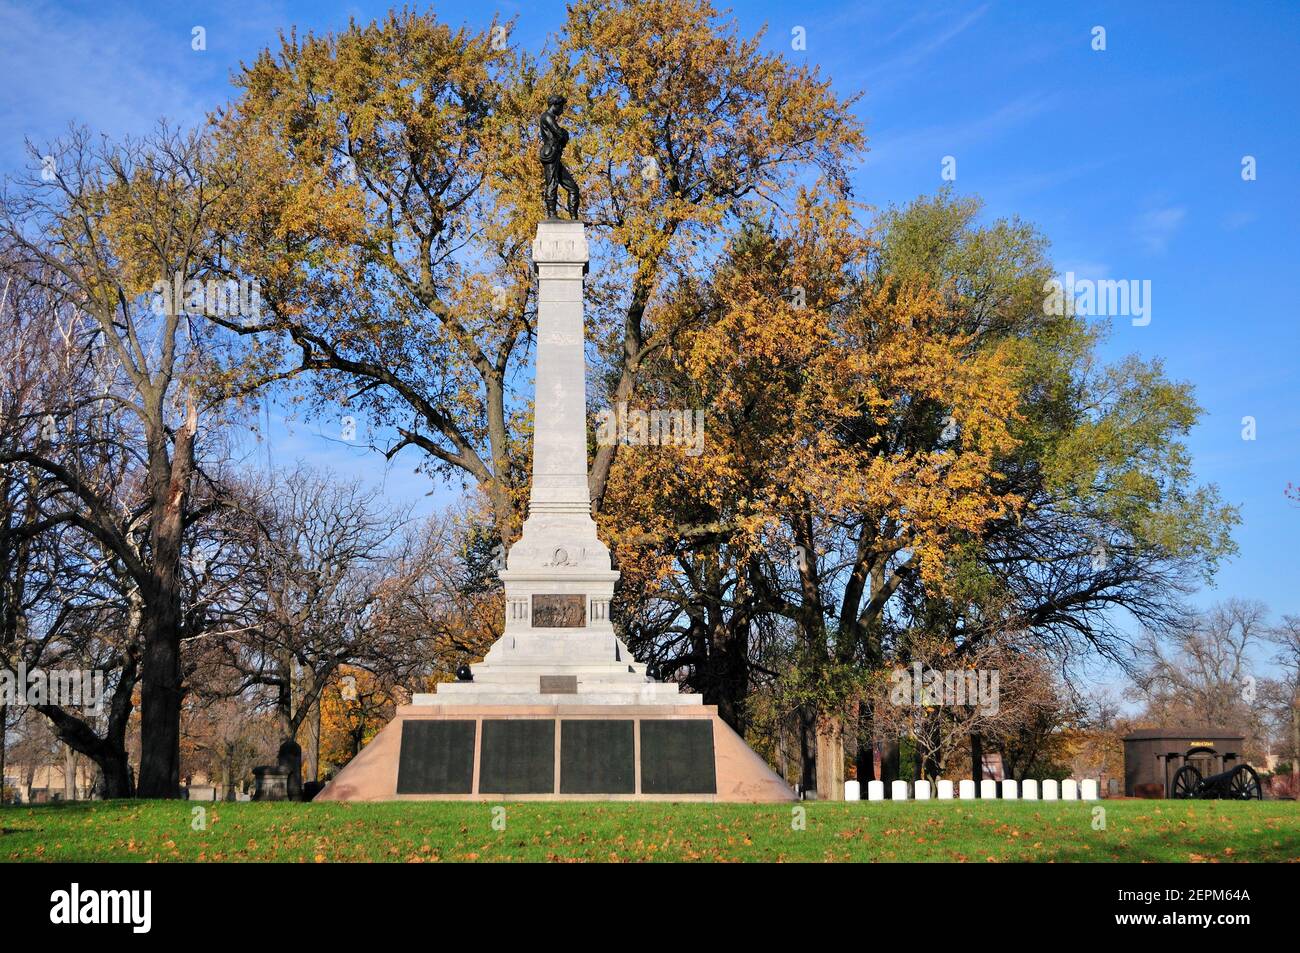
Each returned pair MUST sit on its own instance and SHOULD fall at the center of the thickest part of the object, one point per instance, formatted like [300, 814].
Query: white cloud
[116, 74]
[1155, 228]
[898, 66]
[1235, 220]
[930, 143]
[1091, 270]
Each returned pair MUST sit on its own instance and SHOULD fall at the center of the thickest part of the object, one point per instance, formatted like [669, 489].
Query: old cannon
[1236, 784]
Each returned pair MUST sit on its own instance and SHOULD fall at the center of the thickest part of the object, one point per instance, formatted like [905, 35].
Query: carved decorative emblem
[562, 557]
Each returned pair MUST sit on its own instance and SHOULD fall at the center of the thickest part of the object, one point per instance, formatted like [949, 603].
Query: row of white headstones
[1067, 790]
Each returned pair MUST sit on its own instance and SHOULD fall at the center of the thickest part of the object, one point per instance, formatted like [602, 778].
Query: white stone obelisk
[559, 474]
[559, 645]
[558, 552]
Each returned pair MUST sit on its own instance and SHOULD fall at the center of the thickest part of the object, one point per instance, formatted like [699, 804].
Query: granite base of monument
[557, 753]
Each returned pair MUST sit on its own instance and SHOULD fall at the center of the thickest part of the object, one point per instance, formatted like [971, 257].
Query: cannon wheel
[1244, 784]
[1186, 782]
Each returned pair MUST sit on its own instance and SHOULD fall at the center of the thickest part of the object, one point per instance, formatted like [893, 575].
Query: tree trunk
[976, 758]
[116, 772]
[723, 654]
[829, 757]
[160, 706]
[313, 741]
[930, 766]
[4, 738]
[1295, 738]
[807, 751]
[730, 676]
[830, 762]
[865, 761]
[889, 762]
[69, 773]
[108, 753]
[160, 688]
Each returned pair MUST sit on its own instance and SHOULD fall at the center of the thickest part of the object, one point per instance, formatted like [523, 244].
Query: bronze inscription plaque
[559, 611]
[559, 684]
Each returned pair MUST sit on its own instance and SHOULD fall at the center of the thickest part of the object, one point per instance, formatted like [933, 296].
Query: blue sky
[1129, 159]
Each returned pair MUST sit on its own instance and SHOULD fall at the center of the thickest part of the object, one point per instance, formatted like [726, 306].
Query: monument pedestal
[557, 753]
[558, 708]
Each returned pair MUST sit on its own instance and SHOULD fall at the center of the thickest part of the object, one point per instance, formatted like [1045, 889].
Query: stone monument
[558, 708]
[558, 641]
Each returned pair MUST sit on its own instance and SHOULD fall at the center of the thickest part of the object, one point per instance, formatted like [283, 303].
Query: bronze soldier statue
[554, 174]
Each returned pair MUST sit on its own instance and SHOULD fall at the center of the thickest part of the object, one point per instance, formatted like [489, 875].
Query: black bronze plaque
[559, 684]
[677, 756]
[560, 611]
[518, 757]
[597, 757]
[437, 757]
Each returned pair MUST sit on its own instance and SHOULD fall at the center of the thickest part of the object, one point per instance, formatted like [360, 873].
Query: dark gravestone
[290, 759]
[311, 788]
[437, 757]
[518, 757]
[677, 756]
[597, 757]
[272, 783]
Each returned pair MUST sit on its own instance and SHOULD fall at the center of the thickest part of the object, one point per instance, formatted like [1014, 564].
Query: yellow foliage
[808, 399]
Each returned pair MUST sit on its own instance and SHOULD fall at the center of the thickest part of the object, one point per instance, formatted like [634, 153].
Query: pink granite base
[742, 776]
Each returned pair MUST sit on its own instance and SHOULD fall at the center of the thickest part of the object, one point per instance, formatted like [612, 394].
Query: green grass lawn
[445, 831]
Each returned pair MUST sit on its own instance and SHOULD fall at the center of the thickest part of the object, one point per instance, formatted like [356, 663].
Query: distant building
[1154, 755]
[39, 784]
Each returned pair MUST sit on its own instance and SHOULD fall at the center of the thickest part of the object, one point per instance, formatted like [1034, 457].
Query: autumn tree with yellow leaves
[895, 452]
[815, 376]
[392, 193]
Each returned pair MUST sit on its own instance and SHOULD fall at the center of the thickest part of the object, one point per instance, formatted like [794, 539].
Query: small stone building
[1154, 755]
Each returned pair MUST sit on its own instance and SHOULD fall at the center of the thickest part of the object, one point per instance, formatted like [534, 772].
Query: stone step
[500, 672]
[537, 698]
[523, 687]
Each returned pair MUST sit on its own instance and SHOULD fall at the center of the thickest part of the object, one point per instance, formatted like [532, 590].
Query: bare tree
[997, 690]
[320, 595]
[1286, 636]
[115, 231]
[1202, 676]
[34, 747]
[66, 600]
